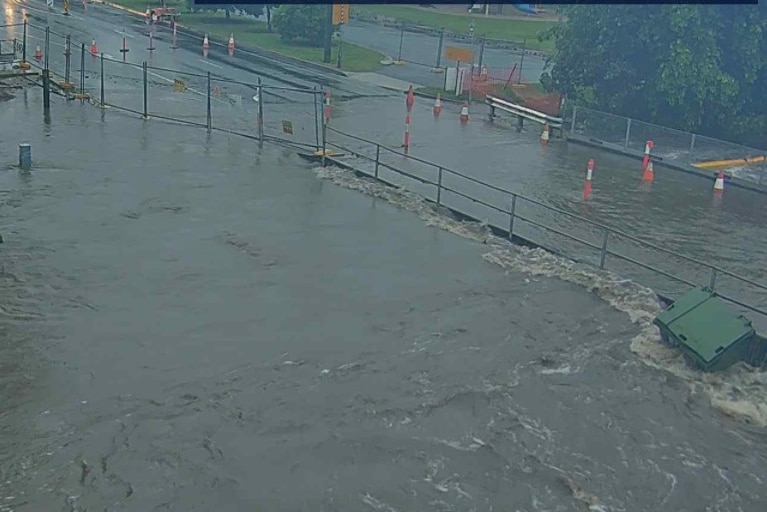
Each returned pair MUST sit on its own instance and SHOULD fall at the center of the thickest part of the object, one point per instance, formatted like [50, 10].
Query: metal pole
[481, 51]
[692, 146]
[82, 72]
[209, 117]
[340, 47]
[603, 255]
[260, 111]
[511, 216]
[439, 48]
[628, 132]
[316, 120]
[712, 280]
[401, 37]
[102, 80]
[439, 187]
[24, 47]
[522, 61]
[47, 78]
[378, 157]
[146, 92]
[324, 142]
[67, 53]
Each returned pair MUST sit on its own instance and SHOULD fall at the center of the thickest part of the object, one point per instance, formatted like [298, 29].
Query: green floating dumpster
[710, 334]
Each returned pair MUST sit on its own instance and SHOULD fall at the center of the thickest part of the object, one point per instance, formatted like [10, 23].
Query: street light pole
[328, 35]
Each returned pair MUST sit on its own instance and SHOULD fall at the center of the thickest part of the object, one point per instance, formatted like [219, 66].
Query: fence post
[628, 132]
[522, 61]
[209, 117]
[316, 120]
[146, 93]
[102, 81]
[378, 159]
[261, 111]
[764, 169]
[712, 280]
[47, 78]
[692, 147]
[324, 142]
[439, 187]
[572, 120]
[512, 213]
[401, 37]
[439, 47]
[603, 252]
[67, 53]
[82, 72]
[24, 43]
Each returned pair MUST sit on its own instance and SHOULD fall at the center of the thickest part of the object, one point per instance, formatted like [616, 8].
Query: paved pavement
[193, 322]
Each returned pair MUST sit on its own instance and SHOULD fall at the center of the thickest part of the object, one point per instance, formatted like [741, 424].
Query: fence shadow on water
[529, 221]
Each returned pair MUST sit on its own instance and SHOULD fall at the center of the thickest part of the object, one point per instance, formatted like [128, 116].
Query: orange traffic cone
[589, 174]
[231, 45]
[205, 45]
[94, 48]
[545, 134]
[719, 183]
[648, 174]
[437, 106]
[465, 113]
[38, 53]
[217, 90]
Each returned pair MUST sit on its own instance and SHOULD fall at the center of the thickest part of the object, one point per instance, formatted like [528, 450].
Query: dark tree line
[700, 68]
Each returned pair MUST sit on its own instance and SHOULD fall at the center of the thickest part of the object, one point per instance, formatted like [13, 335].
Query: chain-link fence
[78, 70]
[682, 149]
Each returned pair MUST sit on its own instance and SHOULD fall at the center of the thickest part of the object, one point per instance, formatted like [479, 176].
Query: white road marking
[209, 63]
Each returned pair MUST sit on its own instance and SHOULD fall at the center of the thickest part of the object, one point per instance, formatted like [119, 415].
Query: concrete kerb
[258, 52]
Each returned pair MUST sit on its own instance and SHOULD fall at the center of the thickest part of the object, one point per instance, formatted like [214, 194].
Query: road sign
[179, 85]
[340, 14]
[456, 53]
[287, 127]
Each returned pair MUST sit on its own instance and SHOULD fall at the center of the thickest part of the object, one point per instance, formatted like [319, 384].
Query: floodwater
[192, 322]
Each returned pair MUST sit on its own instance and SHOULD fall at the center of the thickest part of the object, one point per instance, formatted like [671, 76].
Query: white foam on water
[738, 392]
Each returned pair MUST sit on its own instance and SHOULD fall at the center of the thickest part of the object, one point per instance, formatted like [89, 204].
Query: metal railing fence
[515, 215]
[674, 146]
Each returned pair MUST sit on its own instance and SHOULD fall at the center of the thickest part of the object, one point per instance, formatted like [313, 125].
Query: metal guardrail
[515, 200]
[524, 112]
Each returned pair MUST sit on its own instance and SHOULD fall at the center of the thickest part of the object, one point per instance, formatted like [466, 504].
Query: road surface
[678, 212]
[193, 323]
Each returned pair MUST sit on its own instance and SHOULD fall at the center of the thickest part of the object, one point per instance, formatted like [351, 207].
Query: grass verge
[249, 32]
[494, 28]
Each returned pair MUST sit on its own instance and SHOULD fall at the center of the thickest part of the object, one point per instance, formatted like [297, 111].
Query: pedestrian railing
[440, 185]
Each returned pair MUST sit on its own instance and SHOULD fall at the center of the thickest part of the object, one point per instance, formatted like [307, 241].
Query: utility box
[710, 334]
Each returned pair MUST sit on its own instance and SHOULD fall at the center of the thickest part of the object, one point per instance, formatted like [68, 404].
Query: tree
[305, 22]
[693, 67]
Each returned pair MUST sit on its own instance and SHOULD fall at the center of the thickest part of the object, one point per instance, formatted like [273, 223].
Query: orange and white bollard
[230, 47]
[328, 107]
[437, 106]
[410, 99]
[587, 186]
[205, 45]
[649, 174]
[719, 183]
[464, 117]
[646, 160]
[38, 53]
[406, 142]
[545, 134]
[94, 48]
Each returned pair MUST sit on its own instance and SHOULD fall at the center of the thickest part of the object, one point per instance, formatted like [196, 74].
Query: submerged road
[678, 212]
[191, 322]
